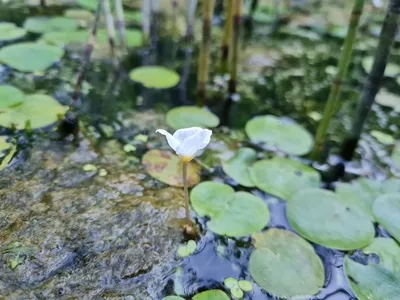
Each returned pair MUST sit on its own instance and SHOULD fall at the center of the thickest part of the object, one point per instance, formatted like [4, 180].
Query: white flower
[188, 141]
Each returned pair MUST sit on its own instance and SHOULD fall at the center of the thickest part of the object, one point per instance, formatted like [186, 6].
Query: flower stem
[186, 194]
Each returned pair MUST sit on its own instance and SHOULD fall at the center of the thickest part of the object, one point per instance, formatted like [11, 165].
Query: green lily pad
[133, 17]
[285, 265]
[47, 24]
[211, 295]
[386, 210]
[88, 4]
[392, 70]
[238, 167]
[355, 197]
[388, 251]
[4, 145]
[319, 216]
[9, 32]
[287, 137]
[155, 77]
[191, 116]
[245, 285]
[188, 249]
[40, 110]
[81, 16]
[382, 137]
[385, 98]
[372, 282]
[396, 155]
[10, 96]
[30, 57]
[173, 298]
[232, 214]
[390, 186]
[283, 177]
[167, 167]
[133, 38]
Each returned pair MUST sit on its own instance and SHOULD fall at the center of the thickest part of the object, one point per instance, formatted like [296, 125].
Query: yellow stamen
[186, 159]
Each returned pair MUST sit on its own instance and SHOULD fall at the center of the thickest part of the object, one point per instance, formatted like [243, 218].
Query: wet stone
[69, 233]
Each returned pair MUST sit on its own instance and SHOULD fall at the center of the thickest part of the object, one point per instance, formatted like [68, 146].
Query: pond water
[82, 217]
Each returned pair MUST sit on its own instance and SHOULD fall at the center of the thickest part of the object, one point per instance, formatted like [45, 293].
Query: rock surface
[67, 233]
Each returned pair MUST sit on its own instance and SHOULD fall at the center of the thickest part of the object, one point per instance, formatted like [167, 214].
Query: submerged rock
[67, 232]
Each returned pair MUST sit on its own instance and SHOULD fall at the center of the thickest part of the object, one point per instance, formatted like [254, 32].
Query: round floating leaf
[48, 24]
[9, 97]
[385, 98]
[134, 38]
[231, 214]
[173, 298]
[4, 145]
[133, 17]
[355, 197]
[64, 38]
[390, 186]
[167, 167]
[285, 265]
[87, 4]
[188, 249]
[319, 216]
[245, 285]
[386, 210]
[155, 77]
[238, 167]
[191, 116]
[382, 137]
[30, 57]
[81, 16]
[40, 110]
[391, 70]
[9, 32]
[388, 251]
[396, 155]
[287, 137]
[211, 295]
[283, 177]
[372, 282]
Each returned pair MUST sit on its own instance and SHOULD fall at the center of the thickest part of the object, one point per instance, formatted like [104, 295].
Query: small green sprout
[188, 249]
[238, 288]
[89, 168]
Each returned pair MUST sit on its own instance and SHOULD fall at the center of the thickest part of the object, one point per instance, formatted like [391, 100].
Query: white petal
[183, 134]
[194, 143]
[172, 142]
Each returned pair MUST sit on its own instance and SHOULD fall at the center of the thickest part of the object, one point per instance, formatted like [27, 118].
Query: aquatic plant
[332, 104]
[187, 143]
[227, 38]
[204, 57]
[237, 19]
[110, 26]
[88, 52]
[119, 9]
[371, 87]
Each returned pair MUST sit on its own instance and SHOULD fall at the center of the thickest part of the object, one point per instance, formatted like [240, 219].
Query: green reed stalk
[237, 19]
[186, 195]
[120, 22]
[371, 87]
[110, 26]
[227, 38]
[191, 18]
[146, 15]
[88, 52]
[333, 99]
[202, 76]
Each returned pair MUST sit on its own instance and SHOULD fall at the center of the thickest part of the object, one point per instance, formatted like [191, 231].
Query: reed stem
[88, 52]
[191, 19]
[202, 78]
[227, 38]
[371, 87]
[110, 26]
[186, 195]
[120, 22]
[237, 18]
[333, 98]
[146, 15]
